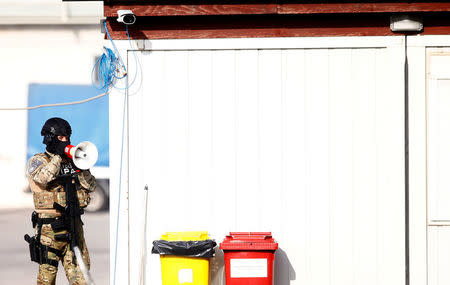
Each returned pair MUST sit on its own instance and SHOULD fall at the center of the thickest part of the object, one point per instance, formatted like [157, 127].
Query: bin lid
[249, 241]
[185, 236]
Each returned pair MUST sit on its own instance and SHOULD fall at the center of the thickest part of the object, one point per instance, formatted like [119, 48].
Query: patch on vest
[34, 165]
[67, 168]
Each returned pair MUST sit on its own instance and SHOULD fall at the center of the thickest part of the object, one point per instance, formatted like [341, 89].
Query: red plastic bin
[249, 258]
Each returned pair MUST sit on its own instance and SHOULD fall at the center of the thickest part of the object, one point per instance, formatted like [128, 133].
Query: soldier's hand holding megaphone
[59, 148]
[84, 155]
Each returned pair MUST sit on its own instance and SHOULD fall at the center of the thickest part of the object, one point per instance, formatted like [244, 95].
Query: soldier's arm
[87, 180]
[42, 172]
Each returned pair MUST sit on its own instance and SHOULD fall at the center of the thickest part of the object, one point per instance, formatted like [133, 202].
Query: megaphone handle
[67, 150]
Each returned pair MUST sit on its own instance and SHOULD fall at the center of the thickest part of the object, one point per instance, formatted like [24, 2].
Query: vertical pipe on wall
[406, 166]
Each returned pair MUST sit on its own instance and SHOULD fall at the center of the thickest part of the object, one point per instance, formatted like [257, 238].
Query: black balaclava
[53, 128]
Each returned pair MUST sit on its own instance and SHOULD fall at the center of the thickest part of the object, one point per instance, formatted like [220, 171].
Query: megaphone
[84, 155]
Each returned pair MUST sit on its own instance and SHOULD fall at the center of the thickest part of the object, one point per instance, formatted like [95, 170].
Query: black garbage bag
[194, 248]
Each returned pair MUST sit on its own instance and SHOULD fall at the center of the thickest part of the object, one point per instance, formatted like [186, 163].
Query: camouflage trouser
[47, 272]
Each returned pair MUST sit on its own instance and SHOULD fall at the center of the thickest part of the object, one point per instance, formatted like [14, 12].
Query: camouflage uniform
[42, 169]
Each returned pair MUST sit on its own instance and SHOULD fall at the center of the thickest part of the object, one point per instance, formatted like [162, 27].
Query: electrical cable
[114, 46]
[107, 72]
[126, 72]
[135, 59]
[56, 104]
[107, 68]
[120, 188]
[123, 132]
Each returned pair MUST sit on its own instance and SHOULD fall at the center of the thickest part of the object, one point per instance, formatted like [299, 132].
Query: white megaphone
[84, 155]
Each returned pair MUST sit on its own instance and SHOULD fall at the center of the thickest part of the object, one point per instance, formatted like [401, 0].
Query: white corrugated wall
[301, 137]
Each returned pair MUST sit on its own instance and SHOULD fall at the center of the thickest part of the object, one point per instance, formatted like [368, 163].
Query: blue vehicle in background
[89, 121]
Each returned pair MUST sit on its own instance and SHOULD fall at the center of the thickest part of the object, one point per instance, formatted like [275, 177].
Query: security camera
[126, 16]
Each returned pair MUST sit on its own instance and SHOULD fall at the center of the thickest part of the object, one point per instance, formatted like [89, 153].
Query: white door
[301, 137]
[438, 167]
[429, 137]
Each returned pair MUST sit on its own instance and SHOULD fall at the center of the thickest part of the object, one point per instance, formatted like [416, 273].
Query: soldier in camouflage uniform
[43, 170]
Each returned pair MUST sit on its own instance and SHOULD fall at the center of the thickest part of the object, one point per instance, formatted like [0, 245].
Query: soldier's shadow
[284, 273]
[217, 268]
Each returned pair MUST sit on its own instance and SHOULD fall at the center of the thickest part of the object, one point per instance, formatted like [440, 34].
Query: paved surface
[15, 264]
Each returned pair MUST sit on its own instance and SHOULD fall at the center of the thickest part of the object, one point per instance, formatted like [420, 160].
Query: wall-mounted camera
[126, 16]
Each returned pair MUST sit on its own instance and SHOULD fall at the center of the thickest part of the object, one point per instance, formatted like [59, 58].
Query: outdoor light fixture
[406, 23]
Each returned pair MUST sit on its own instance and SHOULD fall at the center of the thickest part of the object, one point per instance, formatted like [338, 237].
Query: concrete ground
[15, 264]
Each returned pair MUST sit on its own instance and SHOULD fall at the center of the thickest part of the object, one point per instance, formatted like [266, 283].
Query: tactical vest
[44, 198]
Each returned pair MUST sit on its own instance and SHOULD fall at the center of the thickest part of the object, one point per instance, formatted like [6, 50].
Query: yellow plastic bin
[180, 267]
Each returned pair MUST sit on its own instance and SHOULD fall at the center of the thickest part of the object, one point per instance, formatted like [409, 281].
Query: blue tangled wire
[108, 70]
[108, 66]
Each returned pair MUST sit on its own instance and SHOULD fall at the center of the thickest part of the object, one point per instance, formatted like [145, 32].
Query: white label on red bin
[248, 267]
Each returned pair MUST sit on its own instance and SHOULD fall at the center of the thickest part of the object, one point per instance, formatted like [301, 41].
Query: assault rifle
[70, 219]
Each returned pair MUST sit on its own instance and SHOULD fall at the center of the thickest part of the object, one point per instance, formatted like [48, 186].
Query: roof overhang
[164, 19]
[203, 8]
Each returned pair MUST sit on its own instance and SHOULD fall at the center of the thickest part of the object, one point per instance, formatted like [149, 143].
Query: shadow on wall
[284, 273]
[217, 268]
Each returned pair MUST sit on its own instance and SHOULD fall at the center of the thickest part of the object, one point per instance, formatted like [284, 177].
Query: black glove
[59, 149]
